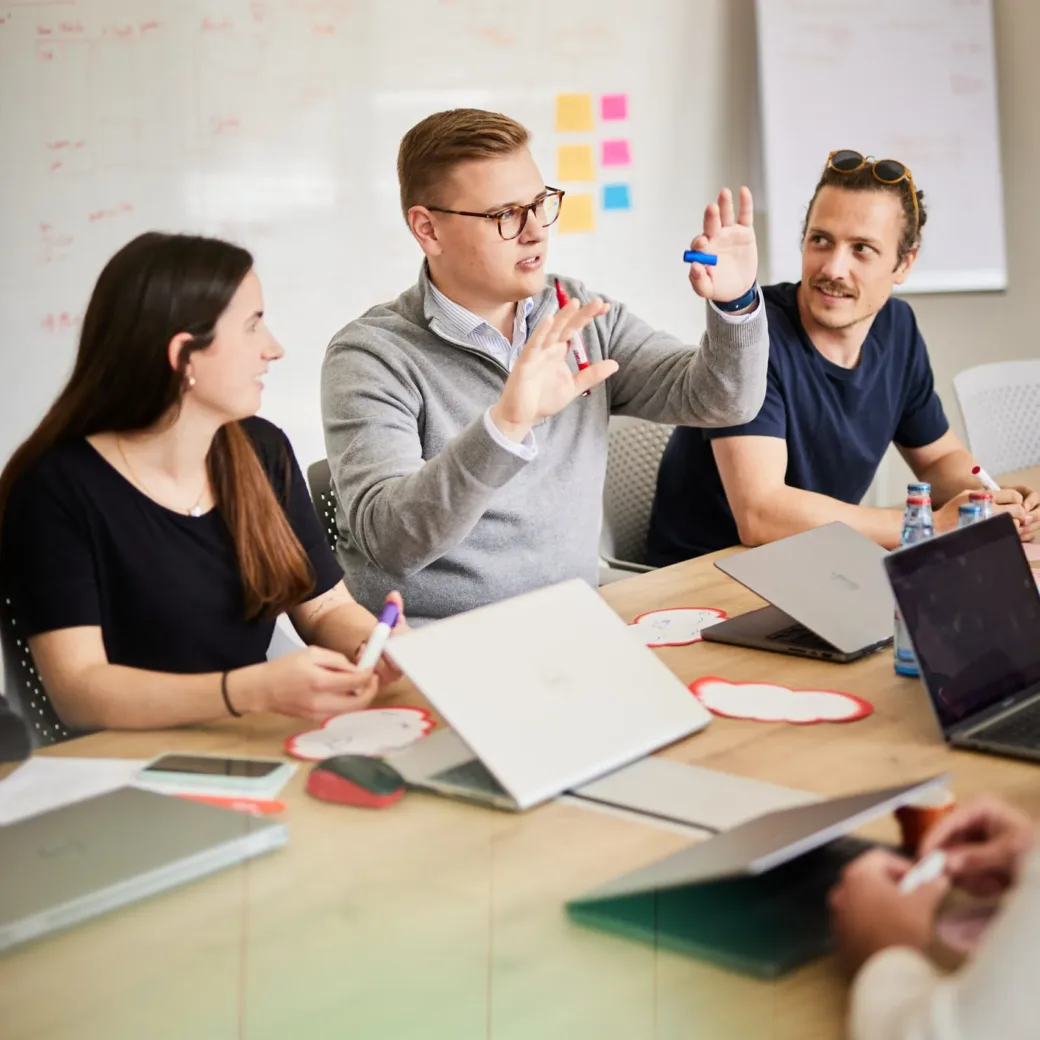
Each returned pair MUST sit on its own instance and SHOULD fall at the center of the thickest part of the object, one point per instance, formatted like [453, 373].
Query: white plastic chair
[633, 457]
[1000, 403]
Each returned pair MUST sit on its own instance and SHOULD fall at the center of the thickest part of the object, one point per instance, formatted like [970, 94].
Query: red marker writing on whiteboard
[581, 359]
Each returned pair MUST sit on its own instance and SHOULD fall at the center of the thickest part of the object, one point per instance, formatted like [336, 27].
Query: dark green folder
[753, 898]
[763, 925]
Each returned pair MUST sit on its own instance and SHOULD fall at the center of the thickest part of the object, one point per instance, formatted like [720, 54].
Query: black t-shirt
[82, 546]
[838, 423]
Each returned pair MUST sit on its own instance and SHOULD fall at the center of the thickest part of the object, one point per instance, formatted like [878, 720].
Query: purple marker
[380, 634]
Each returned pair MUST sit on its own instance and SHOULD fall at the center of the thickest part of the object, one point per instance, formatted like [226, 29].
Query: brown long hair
[155, 287]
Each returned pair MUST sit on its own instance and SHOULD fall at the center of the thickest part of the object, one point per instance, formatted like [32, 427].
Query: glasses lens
[511, 222]
[548, 210]
[846, 161]
[889, 171]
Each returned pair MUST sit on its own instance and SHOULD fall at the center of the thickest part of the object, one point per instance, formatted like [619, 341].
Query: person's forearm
[111, 696]
[721, 383]
[949, 476]
[786, 511]
[343, 629]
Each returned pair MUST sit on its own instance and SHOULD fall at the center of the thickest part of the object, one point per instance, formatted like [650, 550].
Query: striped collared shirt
[453, 321]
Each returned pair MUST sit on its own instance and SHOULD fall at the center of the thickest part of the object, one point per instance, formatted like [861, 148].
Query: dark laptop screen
[971, 605]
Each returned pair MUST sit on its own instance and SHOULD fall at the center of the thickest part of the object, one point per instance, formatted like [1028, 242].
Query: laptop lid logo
[843, 582]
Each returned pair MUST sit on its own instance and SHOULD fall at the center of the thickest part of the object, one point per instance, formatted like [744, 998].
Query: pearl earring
[191, 382]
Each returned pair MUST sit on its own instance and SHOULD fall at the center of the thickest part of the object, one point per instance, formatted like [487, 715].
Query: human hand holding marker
[370, 654]
[731, 240]
[541, 383]
[1030, 525]
[870, 912]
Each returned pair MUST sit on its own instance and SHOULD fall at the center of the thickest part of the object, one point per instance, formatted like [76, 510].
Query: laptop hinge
[1008, 706]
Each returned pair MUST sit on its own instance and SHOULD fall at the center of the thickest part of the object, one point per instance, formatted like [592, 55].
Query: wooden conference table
[436, 920]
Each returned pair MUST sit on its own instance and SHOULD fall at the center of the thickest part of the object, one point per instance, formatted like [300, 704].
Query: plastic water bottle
[969, 513]
[918, 526]
[922, 490]
[984, 499]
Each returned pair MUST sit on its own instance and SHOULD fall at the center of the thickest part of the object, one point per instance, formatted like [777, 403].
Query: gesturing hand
[541, 383]
[733, 242]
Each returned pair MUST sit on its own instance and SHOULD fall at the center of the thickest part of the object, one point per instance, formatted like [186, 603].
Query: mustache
[832, 288]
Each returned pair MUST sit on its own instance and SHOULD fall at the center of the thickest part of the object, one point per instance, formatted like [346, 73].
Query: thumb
[700, 281]
[594, 375]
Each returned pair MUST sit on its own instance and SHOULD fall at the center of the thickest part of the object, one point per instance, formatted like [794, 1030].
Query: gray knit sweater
[429, 504]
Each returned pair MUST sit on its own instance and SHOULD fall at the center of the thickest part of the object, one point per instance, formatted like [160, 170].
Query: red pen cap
[561, 294]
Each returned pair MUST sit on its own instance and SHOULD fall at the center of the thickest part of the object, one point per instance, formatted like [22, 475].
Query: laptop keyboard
[472, 775]
[799, 635]
[1022, 729]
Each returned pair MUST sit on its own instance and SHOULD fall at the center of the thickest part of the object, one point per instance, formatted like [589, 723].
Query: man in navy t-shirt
[848, 375]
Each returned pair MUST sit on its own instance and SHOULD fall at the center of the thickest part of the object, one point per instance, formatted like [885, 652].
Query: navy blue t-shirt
[838, 423]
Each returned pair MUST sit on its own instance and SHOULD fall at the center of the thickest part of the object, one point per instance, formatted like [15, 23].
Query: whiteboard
[276, 123]
[913, 81]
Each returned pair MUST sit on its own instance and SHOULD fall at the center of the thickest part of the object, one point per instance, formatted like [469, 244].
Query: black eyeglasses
[885, 171]
[513, 219]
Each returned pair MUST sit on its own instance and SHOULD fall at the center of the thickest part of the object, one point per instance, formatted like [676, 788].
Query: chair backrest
[323, 497]
[1000, 403]
[24, 687]
[633, 456]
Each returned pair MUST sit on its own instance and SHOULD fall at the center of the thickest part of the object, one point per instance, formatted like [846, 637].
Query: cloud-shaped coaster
[767, 702]
[675, 626]
[373, 732]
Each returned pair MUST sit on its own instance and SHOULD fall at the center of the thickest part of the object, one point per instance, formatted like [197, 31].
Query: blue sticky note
[615, 196]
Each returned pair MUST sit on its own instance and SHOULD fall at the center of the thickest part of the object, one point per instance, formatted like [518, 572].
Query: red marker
[581, 359]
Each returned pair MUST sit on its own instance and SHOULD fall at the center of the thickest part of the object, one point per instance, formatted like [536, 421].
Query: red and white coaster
[675, 626]
[768, 702]
[373, 732]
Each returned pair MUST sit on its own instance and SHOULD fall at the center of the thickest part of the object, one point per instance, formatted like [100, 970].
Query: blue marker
[691, 256]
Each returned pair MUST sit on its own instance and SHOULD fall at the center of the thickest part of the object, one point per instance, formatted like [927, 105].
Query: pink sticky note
[613, 106]
[616, 153]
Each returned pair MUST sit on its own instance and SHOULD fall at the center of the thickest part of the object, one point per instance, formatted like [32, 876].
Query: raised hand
[733, 242]
[541, 383]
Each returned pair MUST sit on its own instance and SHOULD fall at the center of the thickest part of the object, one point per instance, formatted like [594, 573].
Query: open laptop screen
[970, 604]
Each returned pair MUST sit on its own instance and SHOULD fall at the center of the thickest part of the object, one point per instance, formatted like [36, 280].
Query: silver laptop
[543, 693]
[766, 841]
[970, 605]
[84, 859]
[828, 594]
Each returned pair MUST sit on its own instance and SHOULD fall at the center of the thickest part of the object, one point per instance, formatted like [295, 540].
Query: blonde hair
[434, 147]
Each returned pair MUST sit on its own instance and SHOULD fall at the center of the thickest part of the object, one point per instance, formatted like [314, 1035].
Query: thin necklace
[196, 510]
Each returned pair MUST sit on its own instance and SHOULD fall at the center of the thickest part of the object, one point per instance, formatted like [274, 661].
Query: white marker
[985, 479]
[927, 869]
[380, 634]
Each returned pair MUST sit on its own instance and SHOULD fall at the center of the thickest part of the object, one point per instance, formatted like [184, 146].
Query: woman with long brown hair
[152, 527]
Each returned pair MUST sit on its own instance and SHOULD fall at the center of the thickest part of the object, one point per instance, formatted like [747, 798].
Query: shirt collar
[438, 306]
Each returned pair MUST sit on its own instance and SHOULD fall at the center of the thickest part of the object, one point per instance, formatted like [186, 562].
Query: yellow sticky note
[573, 112]
[574, 163]
[577, 214]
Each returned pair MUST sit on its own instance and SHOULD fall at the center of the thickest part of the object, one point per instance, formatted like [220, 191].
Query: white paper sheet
[45, 783]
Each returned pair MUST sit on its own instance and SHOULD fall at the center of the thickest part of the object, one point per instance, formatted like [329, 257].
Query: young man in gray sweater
[467, 462]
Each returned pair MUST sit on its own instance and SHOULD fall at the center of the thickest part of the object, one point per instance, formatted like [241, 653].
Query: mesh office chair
[323, 498]
[23, 685]
[633, 457]
[1000, 403]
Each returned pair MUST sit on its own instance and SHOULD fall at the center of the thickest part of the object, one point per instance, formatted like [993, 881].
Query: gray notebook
[84, 859]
